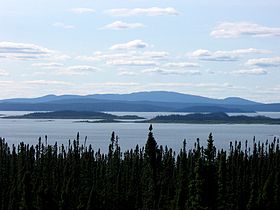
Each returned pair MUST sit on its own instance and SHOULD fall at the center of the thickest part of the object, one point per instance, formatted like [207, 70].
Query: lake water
[130, 134]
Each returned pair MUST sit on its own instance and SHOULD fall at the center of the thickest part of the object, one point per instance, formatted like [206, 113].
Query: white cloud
[115, 84]
[135, 44]
[78, 70]
[126, 55]
[201, 53]
[48, 65]
[131, 62]
[181, 65]
[155, 54]
[264, 62]
[82, 10]
[237, 29]
[47, 82]
[60, 70]
[59, 57]
[127, 58]
[127, 73]
[232, 55]
[171, 72]
[213, 85]
[23, 51]
[99, 56]
[152, 11]
[119, 25]
[120, 83]
[63, 25]
[255, 71]
[202, 86]
[3, 72]
[83, 68]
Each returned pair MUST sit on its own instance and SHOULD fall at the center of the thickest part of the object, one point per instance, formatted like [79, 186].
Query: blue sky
[212, 48]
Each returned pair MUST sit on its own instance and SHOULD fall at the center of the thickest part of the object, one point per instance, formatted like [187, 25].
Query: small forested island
[101, 121]
[213, 118]
[68, 114]
[195, 118]
[77, 176]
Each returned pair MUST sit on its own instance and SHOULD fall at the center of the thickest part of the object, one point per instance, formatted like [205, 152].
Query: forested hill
[213, 118]
[74, 176]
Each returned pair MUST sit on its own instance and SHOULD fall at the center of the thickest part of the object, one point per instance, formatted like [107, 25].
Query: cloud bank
[233, 55]
[3, 72]
[63, 25]
[82, 10]
[171, 71]
[237, 29]
[152, 11]
[264, 62]
[119, 25]
[135, 44]
[255, 71]
[23, 51]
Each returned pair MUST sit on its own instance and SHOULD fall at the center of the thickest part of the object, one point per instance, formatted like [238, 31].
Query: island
[67, 114]
[103, 121]
[195, 118]
[213, 118]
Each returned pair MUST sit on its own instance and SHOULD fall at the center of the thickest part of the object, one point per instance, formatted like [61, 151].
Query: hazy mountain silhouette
[139, 101]
[158, 96]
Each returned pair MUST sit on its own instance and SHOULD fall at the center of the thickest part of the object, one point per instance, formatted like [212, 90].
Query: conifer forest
[153, 177]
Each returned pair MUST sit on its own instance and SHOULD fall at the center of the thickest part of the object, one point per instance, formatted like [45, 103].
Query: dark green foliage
[68, 114]
[154, 178]
[213, 118]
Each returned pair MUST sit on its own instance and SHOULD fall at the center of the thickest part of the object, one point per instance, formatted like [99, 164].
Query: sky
[211, 48]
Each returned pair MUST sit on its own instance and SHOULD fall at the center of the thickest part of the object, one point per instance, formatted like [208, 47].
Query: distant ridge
[238, 100]
[153, 101]
[156, 96]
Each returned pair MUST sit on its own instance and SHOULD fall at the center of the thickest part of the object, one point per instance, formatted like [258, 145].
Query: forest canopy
[75, 176]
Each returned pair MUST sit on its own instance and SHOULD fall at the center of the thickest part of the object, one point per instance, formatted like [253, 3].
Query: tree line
[74, 176]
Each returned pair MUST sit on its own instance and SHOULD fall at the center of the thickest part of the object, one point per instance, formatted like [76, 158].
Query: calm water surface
[130, 134]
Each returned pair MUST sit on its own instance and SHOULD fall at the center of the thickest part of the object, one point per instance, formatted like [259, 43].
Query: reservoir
[131, 134]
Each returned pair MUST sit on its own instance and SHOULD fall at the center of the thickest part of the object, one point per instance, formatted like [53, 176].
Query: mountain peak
[240, 101]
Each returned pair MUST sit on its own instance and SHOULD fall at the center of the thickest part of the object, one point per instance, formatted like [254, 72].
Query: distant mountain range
[155, 101]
